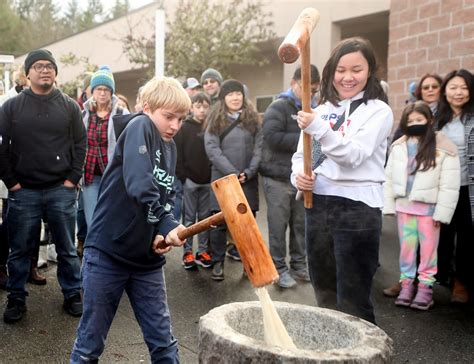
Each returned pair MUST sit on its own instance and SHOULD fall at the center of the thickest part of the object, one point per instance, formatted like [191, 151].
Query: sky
[109, 3]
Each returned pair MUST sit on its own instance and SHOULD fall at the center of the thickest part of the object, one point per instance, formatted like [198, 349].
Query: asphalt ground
[445, 334]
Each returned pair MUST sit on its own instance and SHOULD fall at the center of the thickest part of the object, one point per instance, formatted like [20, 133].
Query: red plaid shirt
[97, 142]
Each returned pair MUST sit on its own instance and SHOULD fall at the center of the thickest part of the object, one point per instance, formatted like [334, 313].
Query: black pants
[342, 243]
[460, 230]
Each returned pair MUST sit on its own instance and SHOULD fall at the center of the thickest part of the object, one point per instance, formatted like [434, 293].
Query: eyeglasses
[209, 81]
[39, 67]
[427, 87]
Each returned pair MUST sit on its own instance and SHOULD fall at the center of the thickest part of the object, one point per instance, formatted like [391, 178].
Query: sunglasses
[427, 87]
[207, 82]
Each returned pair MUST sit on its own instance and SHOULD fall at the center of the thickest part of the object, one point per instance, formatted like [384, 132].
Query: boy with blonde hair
[132, 215]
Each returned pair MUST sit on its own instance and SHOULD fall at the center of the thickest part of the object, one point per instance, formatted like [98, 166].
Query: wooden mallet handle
[197, 228]
[296, 43]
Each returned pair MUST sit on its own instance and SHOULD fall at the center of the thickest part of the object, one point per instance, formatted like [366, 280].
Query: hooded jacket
[135, 196]
[438, 185]
[43, 140]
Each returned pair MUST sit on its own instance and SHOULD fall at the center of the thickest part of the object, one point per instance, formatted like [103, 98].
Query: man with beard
[42, 150]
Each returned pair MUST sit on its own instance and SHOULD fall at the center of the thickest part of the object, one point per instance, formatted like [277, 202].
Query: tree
[208, 34]
[9, 27]
[72, 86]
[71, 17]
[121, 8]
[92, 15]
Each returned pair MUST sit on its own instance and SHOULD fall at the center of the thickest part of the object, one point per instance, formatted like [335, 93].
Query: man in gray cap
[211, 81]
[42, 151]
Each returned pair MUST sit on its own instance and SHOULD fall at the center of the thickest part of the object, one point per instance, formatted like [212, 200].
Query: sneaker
[233, 253]
[286, 280]
[203, 259]
[188, 261]
[218, 271]
[459, 294]
[424, 298]
[301, 274]
[406, 294]
[14, 311]
[393, 291]
[73, 305]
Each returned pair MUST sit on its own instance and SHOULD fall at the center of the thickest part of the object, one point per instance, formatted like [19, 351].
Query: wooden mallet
[236, 213]
[295, 43]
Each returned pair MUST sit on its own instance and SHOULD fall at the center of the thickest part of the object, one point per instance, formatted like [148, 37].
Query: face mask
[416, 130]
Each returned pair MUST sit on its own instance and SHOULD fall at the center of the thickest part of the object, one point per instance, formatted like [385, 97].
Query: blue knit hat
[103, 77]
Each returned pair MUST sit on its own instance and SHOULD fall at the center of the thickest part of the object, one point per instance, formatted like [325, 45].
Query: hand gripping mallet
[236, 213]
[298, 42]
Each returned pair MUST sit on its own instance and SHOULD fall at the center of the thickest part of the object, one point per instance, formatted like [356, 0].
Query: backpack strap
[229, 129]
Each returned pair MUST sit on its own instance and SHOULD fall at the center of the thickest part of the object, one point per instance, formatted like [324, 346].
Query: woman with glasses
[101, 140]
[428, 90]
[455, 118]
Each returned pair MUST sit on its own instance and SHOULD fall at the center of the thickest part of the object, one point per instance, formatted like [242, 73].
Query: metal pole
[160, 43]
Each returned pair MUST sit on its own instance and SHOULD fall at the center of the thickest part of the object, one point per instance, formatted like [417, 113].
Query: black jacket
[135, 197]
[193, 162]
[43, 140]
[280, 139]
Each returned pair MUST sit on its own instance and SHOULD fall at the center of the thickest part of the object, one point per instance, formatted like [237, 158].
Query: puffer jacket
[438, 185]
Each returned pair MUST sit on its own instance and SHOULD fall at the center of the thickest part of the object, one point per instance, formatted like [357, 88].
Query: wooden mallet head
[295, 43]
[241, 223]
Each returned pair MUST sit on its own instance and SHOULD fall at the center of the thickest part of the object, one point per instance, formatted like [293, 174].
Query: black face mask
[416, 130]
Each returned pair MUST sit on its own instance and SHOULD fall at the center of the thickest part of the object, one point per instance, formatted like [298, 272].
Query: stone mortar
[233, 333]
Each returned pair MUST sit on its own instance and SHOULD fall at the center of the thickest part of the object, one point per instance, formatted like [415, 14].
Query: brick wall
[427, 36]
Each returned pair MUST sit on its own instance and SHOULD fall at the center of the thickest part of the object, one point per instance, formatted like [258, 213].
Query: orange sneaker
[188, 261]
[203, 259]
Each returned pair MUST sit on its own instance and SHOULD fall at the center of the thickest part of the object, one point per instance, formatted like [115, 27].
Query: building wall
[102, 45]
[427, 36]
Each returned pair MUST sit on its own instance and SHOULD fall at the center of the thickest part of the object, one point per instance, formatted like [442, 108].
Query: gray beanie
[211, 73]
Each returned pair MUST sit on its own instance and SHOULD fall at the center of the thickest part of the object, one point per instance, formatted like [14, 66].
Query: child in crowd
[121, 252]
[194, 170]
[350, 130]
[422, 187]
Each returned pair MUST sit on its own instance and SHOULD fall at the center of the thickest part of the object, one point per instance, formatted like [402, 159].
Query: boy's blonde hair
[165, 93]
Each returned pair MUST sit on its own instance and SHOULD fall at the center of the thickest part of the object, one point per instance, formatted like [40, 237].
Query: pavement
[46, 334]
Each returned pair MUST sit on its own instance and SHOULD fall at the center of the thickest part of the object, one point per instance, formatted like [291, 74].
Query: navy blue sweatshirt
[135, 197]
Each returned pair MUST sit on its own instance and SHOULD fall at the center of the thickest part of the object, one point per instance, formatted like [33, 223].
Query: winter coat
[111, 139]
[240, 151]
[439, 185]
[280, 138]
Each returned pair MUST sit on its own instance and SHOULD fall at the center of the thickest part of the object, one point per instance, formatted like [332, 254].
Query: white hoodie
[354, 167]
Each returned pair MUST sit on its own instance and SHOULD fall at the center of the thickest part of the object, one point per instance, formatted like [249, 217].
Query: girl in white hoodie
[422, 188]
[343, 227]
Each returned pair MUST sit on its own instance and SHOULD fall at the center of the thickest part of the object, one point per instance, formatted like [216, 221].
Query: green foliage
[207, 34]
[30, 24]
[72, 86]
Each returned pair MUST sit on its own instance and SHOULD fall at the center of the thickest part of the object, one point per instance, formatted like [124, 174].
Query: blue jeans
[284, 211]
[26, 207]
[342, 243]
[178, 202]
[90, 195]
[104, 280]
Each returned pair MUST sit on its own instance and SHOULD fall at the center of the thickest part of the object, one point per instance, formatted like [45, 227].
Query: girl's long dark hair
[445, 113]
[373, 89]
[217, 120]
[426, 155]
